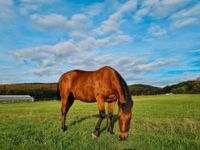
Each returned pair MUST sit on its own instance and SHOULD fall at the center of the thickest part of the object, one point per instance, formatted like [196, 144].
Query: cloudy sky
[153, 42]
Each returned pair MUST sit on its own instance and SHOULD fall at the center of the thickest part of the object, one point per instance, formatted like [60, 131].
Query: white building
[16, 98]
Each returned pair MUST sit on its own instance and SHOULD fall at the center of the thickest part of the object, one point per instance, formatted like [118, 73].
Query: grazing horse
[102, 85]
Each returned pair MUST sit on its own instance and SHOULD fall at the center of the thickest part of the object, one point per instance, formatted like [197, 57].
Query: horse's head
[124, 116]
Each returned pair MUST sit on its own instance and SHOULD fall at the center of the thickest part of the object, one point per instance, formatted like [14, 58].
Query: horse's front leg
[111, 106]
[101, 106]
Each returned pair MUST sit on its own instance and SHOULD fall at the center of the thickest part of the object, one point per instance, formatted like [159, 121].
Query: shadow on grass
[94, 116]
[82, 119]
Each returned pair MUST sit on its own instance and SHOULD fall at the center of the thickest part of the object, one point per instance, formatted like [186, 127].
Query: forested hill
[37, 90]
[141, 89]
[192, 87]
[49, 90]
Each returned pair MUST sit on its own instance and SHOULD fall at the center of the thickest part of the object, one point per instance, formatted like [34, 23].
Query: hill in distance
[142, 89]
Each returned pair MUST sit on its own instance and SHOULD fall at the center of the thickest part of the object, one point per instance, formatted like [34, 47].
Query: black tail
[58, 92]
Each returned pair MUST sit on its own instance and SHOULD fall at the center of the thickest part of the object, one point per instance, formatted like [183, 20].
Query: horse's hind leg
[67, 101]
[101, 107]
[63, 110]
[111, 106]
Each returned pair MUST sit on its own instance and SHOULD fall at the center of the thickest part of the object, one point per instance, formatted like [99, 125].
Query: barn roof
[16, 98]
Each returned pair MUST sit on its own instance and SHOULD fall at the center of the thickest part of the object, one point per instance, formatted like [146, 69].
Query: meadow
[159, 122]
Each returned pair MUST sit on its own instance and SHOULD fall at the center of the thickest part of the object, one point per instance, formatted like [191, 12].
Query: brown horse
[102, 85]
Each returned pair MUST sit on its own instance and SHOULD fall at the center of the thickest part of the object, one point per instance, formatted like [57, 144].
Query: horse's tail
[124, 94]
[58, 92]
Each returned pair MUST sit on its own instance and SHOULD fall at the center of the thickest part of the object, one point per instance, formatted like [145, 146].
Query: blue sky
[154, 42]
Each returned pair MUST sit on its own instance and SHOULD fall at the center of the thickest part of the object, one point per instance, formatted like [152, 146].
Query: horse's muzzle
[123, 135]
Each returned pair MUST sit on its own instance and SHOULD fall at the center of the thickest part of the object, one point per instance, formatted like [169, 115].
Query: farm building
[16, 98]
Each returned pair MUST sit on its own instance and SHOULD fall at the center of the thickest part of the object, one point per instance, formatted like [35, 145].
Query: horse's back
[75, 75]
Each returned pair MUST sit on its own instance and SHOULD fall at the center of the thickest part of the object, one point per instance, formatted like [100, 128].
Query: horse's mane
[125, 89]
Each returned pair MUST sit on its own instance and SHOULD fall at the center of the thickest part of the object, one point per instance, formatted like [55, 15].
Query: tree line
[40, 91]
[45, 91]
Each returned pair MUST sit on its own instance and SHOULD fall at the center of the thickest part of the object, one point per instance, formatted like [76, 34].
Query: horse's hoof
[111, 131]
[64, 128]
[95, 134]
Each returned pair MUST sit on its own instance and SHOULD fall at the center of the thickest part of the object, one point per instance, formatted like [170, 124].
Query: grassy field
[159, 122]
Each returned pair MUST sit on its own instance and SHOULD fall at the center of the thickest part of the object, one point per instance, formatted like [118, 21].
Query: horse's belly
[85, 96]
[87, 100]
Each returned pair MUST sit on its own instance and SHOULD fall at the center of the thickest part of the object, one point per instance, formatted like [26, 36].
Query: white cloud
[94, 9]
[47, 56]
[44, 61]
[79, 22]
[156, 31]
[122, 38]
[6, 9]
[110, 25]
[153, 65]
[39, 1]
[184, 22]
[77, 26]
[25, 9]
[114, 20]
[165, 8]
[50, 21]
[78, 53]
[186, 17]
[60, 49]
[128, 6]
[40, 71]
[70, 46]
[32, 6]
[146, 8]
[158, 9]
[113, 40]
[196, 51]
[189, 12]
[28, 52]
[43, 71]
[138, 17]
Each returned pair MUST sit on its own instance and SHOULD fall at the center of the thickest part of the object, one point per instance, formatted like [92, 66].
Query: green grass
[159, 122]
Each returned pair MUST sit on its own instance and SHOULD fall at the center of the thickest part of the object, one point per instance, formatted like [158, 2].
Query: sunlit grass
[159, 122]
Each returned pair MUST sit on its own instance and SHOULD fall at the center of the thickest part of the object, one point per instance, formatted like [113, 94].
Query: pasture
[159, 122]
